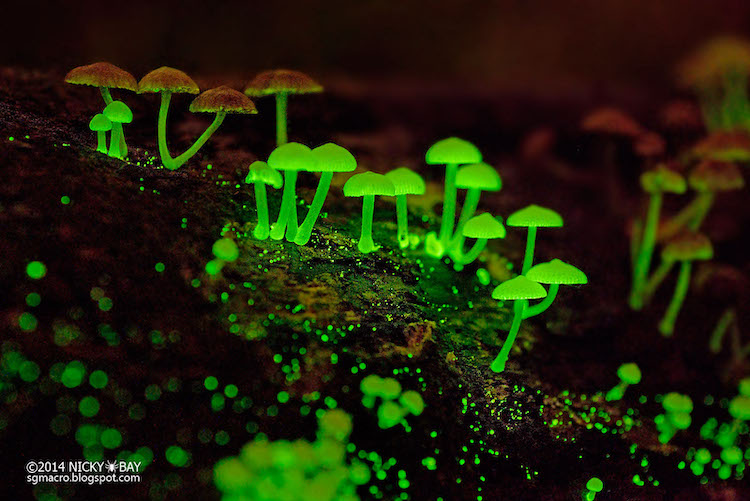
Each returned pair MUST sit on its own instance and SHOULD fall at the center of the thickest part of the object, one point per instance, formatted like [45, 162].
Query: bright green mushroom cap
[557, 272]
[389, 388]
[230, 474]
[225, 249]
[453, 151]
[680, 420]
[519, 288]
[412, 401]
[662, 179]
[688, 247]
[479, 175]
[335, 423]
[371, 384]
[629, 373]
[535, 216]
[261, 172]
[732, 455]
[100, 123]
[483, 226]
[594, 484]
[406, 181]
[333, 158]
[744, 387]
[739, 408]
[368, 183]
[118, 112]
[292, 156]
[390, 414]
[676, 402]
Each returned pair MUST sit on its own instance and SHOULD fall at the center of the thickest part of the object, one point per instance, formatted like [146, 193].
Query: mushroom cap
[406, 181]
[715, 175]
[535, 216]
[649, 144]
[519, 287]
[483, 226]
[688, 246]
[412, 401]
[331, 157]
[223, 100]
[710, 63]
[674, 402]
[479, 175]
[100, 123]
[629, 373]
[368, 183]
[744, 387]
[260, 172]
[277, 81]
[335, 423]
[680, 420]
[291, 156]
[453, 151]
[102, 75]
[371, 384]
[595, 484]
[166, 79]
[389, 388]
[225, 249]
[557, 272]
[118, 112]
[739, 407]
[663, 179]
[729, 146]
[609, 120]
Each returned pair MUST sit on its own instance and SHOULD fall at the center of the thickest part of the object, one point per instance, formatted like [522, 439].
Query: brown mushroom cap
[277, 81]
[649, 144]
[663, 179]
[102, 75]
[166, 79]
[222, 99]
[688, 247]
[714, 175]
[724, 145]
[610, 120]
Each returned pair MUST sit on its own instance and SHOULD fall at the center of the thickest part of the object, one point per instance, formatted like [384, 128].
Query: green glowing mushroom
[451, 152]
[655, 182]
[390, 414]
[519, 289]
[281, 83]
[677, 417]
[482, 227]
[290, 158]
[329, 158]
[629, 374]
[593, 487]
[260, 175]
[368, 185]
[406, 182]
[554, 273]
[118, 113]
[684, 249]
[744, 386]
[475, 178]
[225, 251]
[412, 401]
[533, 217]
[101, 125]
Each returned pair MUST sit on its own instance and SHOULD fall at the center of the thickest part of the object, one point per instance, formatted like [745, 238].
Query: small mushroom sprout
[406, 182]
[368, 185]
[261, 175]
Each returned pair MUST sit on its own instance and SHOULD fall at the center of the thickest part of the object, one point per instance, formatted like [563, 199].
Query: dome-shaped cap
[609, 120]
[223, 100]
[368, 183]
[677, 402]
[688, 246]
[166, 79]
[729, 146]
[629, 373]
[483, 226]
[557, 272]
[292, 156]
[649, 144]
[663, 179]
[118, 112]
[406, 181]
[479, 175]
[453, 151]
[100, 123]
[261, 172]
[331, 157]
[519, 288]
[739, 408]
[277, 81]
[535, 216]
[102, 75]
[412, 401]
[715, 175]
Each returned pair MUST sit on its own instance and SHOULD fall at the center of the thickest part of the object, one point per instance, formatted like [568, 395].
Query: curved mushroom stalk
[471, 202]
[643, 256]
[287, 220]
[666, 326]
[519, 306]
[321, 192]
[545, 303]
[190, 152]
[460, 259]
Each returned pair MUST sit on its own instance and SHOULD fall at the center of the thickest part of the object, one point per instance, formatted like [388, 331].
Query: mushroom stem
[218, 119]
[288, 206]
[528, 257]
[462, 259]
[467, 212]
[717, 335]
[542, 306]
[305, 229]
[262, 229]
[366, 244]
[666, 326]
[106, 95]
[281, 127]
[646, 251]
[498, 365]
[704, 200]
[656, 279]
[683, 218]
[617, 392]
[449, 205]
[161, 131]
[114, 141]
[402, 221]
[101, 140]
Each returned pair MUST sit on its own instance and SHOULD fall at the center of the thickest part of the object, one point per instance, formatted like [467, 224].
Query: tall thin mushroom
[533, 217]
[407, 182]
[289, 158]
[475, 178]
[260, 175]
[368, 185]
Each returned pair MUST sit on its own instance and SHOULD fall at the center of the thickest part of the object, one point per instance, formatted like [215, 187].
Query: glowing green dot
[73, 374]
[222, 437]
[105, 304]
[33, 299]
[111, 438]
[27, 322]
[153, 392]
[36, 270]
[211, 383]
[282, 397]
[98, 379]
[231, 391]
[65, 199]
[89, 406]
[159, 267]
[29, 371]
[177, 456]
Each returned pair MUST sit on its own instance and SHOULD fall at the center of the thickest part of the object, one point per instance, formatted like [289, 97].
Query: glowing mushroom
[118, 113]
[260, 175]
[368, 185]
[475, 178]
[101, 125]
[554, 273]
[533, 217]
[407, 182]
[289, 158]
[482, 227]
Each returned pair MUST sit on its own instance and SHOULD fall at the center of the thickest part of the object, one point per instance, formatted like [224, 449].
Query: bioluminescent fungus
[368, 185]
[629, 374]
[281, 83]
[519, 289]
[391, 411]
[101, 125]
[118, 113]
[676, 417]
[412, 401]
[482, 227]
[533, 217]
[744, 387]
[684, 249]
[554, 273]
[475, 178]
[289, 158]
[739, 409]
[407, 182]
[260, 175]
[726, 146]
[373, 386]
[329, 159]
[593, 487]
[450, 152]
[707, 179]
[655, 182]
[225, 251]
[611, 121]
